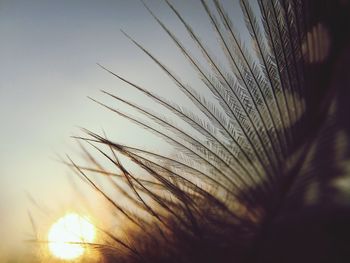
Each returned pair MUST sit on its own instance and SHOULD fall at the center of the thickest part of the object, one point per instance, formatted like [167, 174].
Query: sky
[48, 55]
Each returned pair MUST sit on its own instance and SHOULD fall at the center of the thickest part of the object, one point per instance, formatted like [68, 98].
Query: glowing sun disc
[69, 229]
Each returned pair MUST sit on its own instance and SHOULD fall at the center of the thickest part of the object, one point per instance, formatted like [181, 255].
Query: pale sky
[48, 55]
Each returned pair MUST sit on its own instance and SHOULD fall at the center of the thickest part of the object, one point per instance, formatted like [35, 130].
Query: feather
[256, 175]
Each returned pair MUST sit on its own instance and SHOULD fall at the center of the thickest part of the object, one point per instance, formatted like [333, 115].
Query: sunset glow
[66, 233]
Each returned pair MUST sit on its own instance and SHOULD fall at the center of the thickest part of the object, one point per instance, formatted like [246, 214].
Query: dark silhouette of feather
[261, 181]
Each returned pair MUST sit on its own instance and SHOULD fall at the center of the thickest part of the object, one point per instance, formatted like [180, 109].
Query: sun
[66, 232]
